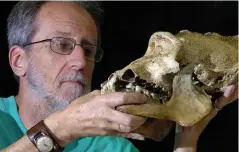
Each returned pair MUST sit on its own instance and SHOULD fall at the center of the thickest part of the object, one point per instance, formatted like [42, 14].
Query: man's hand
[186, 137]
[95, 115]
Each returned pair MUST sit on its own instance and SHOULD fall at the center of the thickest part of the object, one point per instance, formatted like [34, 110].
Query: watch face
[44, 144]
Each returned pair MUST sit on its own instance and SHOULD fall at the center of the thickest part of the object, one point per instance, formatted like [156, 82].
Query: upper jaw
[131, 82]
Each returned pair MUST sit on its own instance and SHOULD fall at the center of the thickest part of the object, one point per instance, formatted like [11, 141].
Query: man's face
[61, 78]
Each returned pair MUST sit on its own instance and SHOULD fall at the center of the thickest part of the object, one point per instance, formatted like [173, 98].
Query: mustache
[74, 77]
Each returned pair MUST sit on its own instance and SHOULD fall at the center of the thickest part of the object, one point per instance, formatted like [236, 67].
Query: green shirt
[12, 128]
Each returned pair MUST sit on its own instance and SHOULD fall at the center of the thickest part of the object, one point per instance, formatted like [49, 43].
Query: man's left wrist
[40, 136]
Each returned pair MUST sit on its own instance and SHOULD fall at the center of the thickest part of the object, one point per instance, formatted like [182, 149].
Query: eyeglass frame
[74, 45]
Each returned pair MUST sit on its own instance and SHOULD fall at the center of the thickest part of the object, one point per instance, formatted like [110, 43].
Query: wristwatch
[43, 138]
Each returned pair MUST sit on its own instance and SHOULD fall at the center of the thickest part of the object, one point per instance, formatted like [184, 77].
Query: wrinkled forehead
[66, 19]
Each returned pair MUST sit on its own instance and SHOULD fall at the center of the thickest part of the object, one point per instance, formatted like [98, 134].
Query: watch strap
[40, 127]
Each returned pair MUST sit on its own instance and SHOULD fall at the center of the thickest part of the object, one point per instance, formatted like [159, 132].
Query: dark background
[125, 34]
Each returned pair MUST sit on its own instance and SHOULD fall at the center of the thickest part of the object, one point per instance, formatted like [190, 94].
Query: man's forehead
[66, 11]
[72, 21]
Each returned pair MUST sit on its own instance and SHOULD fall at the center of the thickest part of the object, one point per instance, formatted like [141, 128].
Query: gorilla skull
[179, 74]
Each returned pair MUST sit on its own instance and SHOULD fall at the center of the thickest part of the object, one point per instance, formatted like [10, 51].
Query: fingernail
[140, 138]
[229, 91]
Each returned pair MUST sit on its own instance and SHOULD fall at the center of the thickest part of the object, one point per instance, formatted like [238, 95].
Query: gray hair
[20, 27]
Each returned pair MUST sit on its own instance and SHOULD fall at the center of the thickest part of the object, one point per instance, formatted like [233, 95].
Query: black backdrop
[125, 34]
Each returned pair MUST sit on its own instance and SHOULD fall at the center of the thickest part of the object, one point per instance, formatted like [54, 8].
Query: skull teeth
[153, 95]
[146, 92]
[149, 89]
[130, 86]
[138, 89]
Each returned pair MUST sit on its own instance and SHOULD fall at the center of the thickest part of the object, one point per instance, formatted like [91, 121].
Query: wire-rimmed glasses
[65, 46]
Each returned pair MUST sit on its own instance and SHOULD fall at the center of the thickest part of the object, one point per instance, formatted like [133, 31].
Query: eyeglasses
[65, 46]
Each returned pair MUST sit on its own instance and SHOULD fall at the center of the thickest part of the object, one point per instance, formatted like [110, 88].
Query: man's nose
[76, 60]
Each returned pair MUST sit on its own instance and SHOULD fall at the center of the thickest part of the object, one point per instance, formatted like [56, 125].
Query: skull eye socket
[128, 76]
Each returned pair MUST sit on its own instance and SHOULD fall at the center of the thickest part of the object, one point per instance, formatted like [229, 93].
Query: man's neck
[31, 107]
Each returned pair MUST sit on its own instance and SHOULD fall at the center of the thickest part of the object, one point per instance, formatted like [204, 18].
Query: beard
[67, 92]
[59, 95]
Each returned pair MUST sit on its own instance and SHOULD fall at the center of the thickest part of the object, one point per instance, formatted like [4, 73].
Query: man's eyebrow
[85, 39]
[89, 40]
[62, 33]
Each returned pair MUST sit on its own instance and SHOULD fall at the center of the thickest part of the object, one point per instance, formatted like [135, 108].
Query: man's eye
[65, 47]
[89, 51]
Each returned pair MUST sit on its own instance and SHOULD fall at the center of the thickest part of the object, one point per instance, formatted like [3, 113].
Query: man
[52, 50]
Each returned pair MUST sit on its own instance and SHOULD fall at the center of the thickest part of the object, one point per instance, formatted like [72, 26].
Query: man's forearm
[22, 145]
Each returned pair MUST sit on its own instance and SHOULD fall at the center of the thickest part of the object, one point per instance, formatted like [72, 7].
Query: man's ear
[18, 60]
